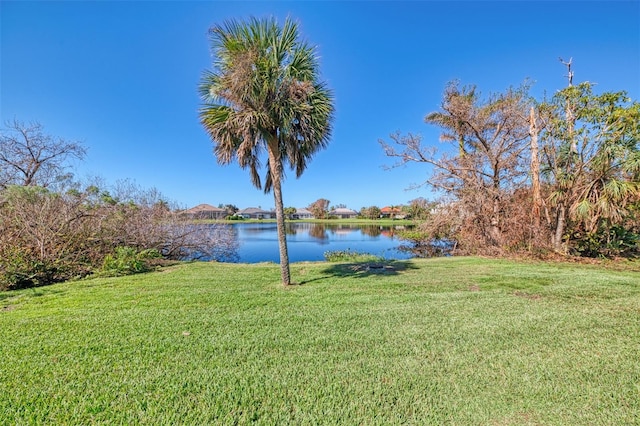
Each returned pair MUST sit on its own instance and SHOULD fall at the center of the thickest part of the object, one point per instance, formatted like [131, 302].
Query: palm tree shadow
[364, 269]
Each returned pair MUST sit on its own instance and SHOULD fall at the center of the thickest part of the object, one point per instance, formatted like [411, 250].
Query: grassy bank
[439, 341]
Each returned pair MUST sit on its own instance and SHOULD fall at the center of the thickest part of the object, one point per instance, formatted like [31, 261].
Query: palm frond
[264, 85]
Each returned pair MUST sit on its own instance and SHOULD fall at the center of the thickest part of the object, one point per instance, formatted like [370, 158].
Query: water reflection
[258, 242]
[206, 242]
[322, 231]
[318, 232]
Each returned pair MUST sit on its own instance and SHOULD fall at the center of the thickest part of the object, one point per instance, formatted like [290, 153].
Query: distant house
[343, 213]
[205, 211]
[254, 213]
[392, 212]
[302, 214]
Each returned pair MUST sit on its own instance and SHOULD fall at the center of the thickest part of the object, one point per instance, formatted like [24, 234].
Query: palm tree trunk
[276, 174]
[559, 231]
[282, 236]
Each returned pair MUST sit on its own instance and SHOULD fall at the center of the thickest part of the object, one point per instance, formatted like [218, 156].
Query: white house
[255, 213]
[343, 213]
[205, 211]
[302, 214]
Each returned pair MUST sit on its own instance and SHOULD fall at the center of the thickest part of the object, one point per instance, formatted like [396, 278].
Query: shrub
[127, 261]
[350, 256]
[39, 233]
[48, 236]
[424, 245]
[20, 269]
[615, 241]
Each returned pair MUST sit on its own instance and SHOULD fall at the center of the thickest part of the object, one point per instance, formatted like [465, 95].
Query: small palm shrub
[611, 242]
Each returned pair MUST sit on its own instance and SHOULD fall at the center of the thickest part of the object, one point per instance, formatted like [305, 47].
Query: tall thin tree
[264, 94]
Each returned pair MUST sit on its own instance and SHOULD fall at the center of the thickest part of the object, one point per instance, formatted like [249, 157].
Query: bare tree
[490, 137]
[319, 208]
[30, 157]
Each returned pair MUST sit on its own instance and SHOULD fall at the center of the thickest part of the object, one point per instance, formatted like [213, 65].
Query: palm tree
[457, 110]
[264, 94]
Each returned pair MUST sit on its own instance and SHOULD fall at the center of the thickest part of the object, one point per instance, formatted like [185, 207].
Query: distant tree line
[558, 175]
[417, 209]
[53, 228]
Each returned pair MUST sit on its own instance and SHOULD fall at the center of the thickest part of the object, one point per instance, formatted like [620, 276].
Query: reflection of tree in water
[369, 230]
[258, 228]
[222, 242]
[318, 231]
[391, 231]
[342, 229]
[290, 228]
[373, 230]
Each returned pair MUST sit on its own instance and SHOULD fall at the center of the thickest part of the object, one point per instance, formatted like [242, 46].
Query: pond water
[258, 242]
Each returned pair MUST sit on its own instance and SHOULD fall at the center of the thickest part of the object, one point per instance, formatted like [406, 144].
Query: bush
[21, 269]
[38, 230]
[48, 236]
[127, 261]
[350, 256]
[424, 245]
[615, 241]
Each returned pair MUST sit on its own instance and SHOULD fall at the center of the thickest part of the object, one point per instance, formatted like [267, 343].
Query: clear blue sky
[122, 77]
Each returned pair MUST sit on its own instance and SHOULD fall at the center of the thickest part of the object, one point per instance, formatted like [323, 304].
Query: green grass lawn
[462, 341]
